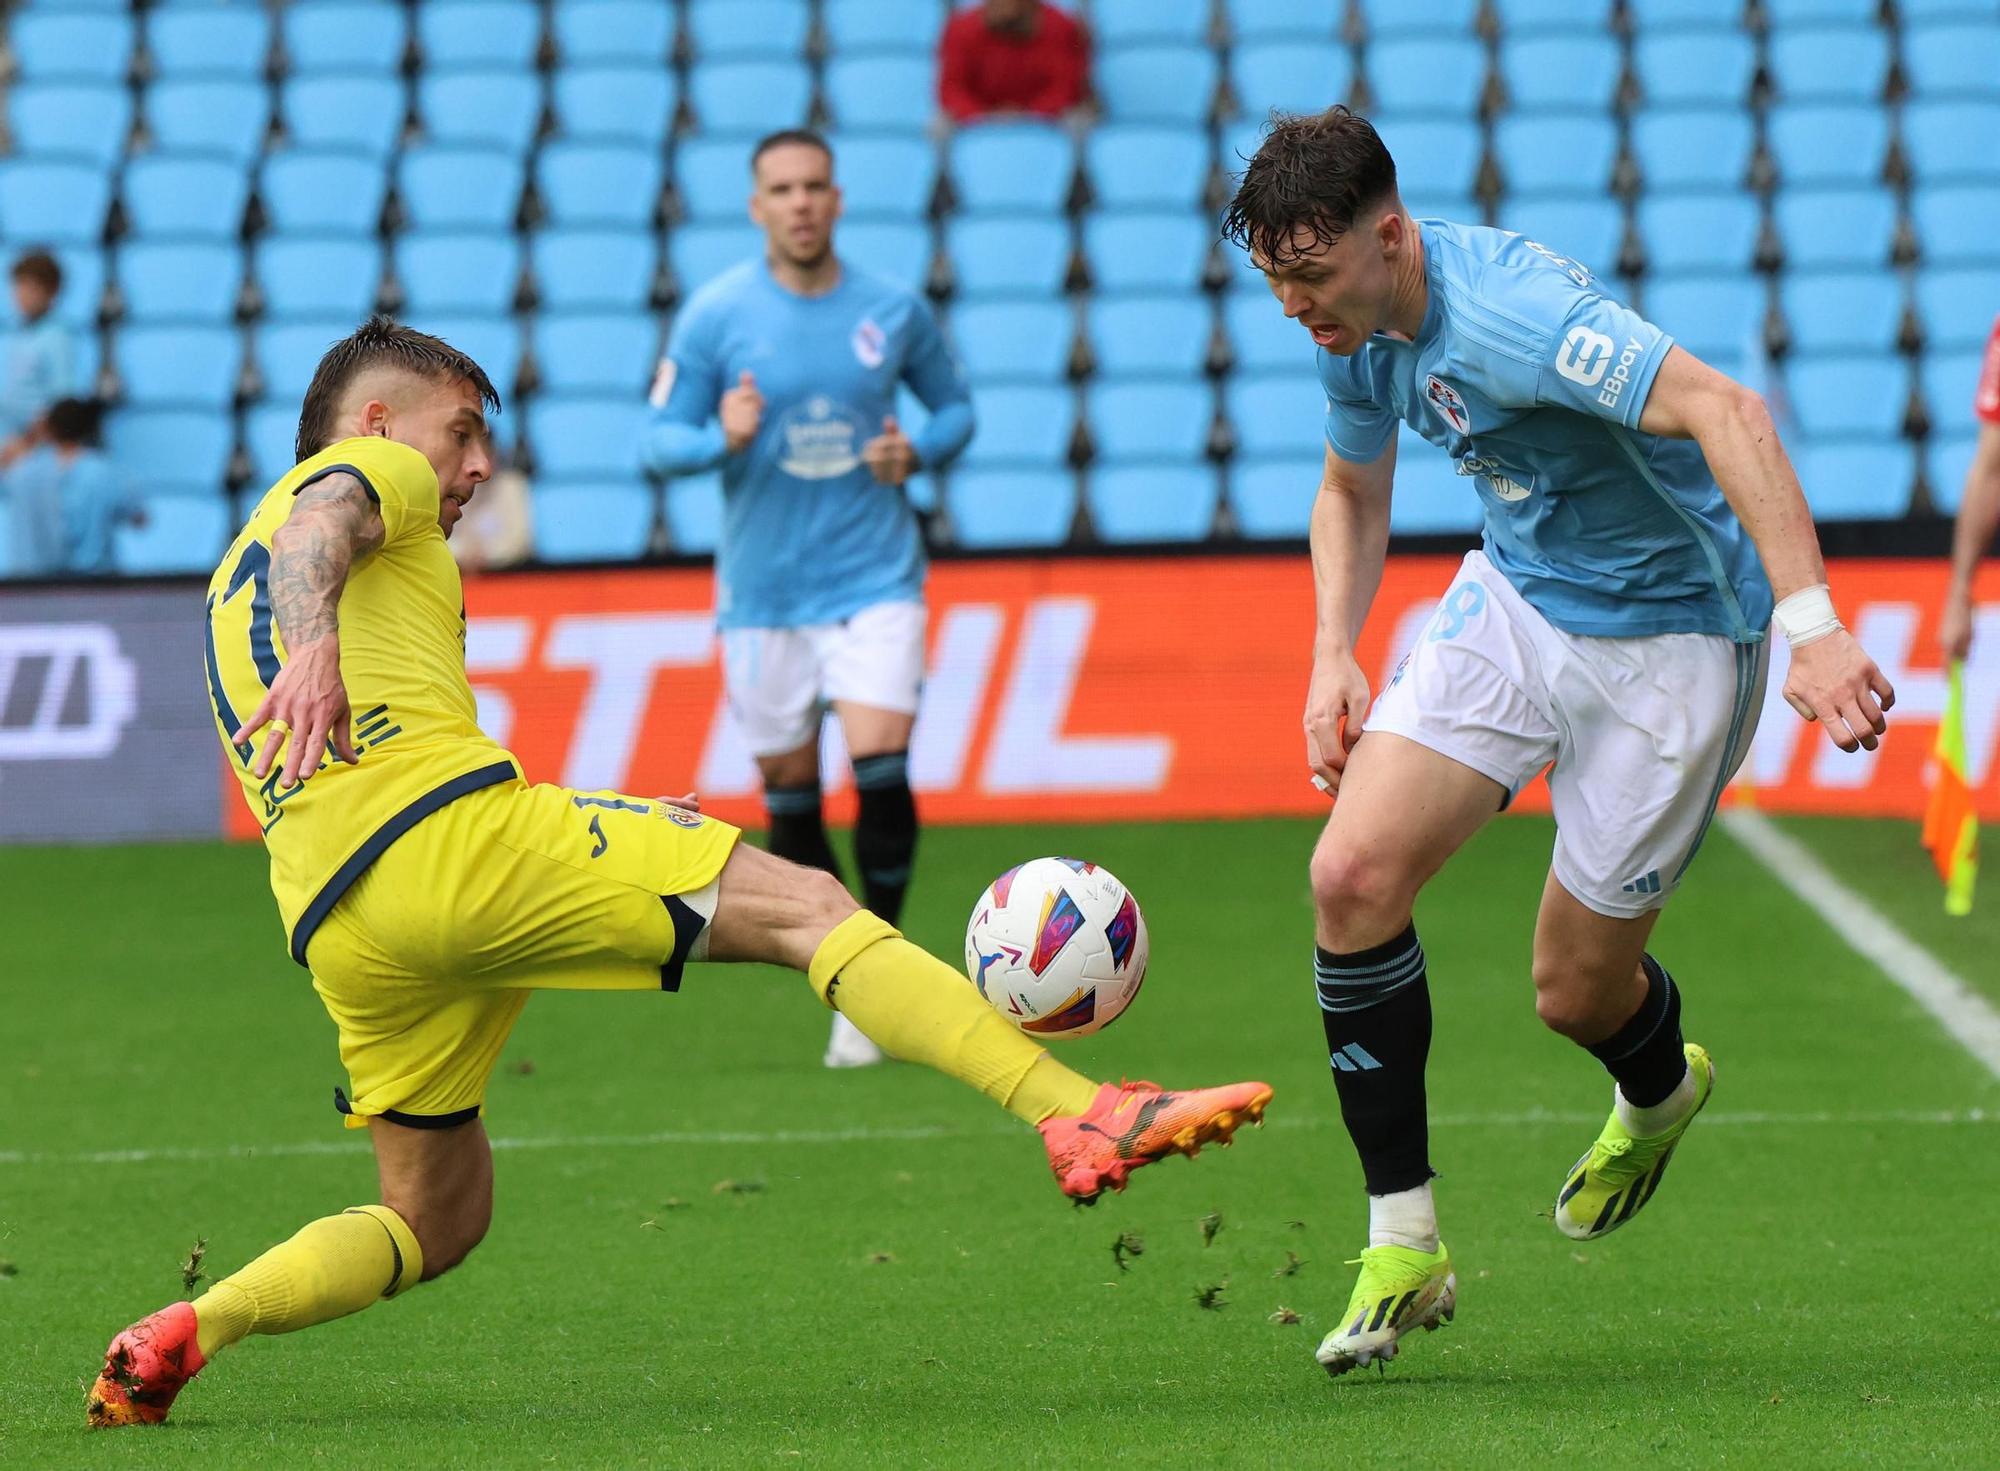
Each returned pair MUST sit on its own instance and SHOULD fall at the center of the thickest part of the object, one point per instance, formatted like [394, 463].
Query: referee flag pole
[1951, 826]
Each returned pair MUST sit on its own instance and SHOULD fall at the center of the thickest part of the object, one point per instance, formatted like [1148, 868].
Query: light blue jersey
[808, 535]
[37, 367]
[64, 511]
[1532, 380]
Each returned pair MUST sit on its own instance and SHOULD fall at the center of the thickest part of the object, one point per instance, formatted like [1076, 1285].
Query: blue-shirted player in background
[1612, 627]
[784, 372]
[37, 358]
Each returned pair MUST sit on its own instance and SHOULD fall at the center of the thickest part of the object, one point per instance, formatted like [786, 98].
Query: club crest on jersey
[1450, 407]
[870, 342]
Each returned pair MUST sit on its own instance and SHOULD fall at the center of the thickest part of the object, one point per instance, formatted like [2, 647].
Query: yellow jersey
[402, 658]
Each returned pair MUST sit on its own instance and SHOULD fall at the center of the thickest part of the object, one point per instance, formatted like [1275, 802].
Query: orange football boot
[1134, 1124]
[145, 1367]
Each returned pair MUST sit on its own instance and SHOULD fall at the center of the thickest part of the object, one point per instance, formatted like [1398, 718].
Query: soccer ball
[1058, 946]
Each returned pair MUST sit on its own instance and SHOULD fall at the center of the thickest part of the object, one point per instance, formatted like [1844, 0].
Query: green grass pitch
[708, 1251]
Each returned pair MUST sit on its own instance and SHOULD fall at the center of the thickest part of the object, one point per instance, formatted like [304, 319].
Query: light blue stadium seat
[1293, 76]
[1563, 73]
[1713, 317]
[270, 434]
[469, 271]
[740, 30]
[221, 116]
[446, 188]
[1150, 419]
[50, 45]
[897, 249]
[1023, 167]
[1263, 338]
[1013, 341]
[1947, 460]
[181, 454]
[1141, 336]
[1436, 159]
[881, 177]
[1273, 498]
[1557, 152]
[1698, 232]
[493, 342]
[357, 36]
[594, 270]
[1951, 382]
[1430, 496]
[86, 121]
[54, 202]
[180, 534]
[712, 176]
[1951, 142]
[1830, 63]
[1836, 227]
[1958, 307]
[1847, 395]
[1682, 68]
[492, 33]
[1026, 425]
[615, 104]
[211, 41]
[1163, 502]
[288, 352]
[1854, 479]
[854, 26]
[1388, 18]
[1116, 23]
[1948, 60]
[699, 253]
[587, 438]
[600, 185]
[316, 193]
[592, 521]
[611, 355]
[888, 93]
[1585, 230]
[1160, 84]
[180, 367]
[1954, 224]
[180, 281]
[1147, 251]
[362, 114]
[1140, 167]
[492, 109]
[1430, 72]
[694, 513]
[751, 98]
[1711, 15]
[1693, 148]
[1022, 506]
[1281, 20]
[1280, 415]
[1009, 257]
[1529, 17]
[316, 277]
[1835, 311]
[1786, 14]
[1828, 145]
[619, 32]
[83, 270]
[1941, 10]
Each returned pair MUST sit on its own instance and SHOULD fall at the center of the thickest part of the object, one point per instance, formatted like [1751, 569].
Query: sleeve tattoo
[333, 521]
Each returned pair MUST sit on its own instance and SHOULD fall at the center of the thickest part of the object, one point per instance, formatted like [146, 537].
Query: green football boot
[1400, 1290]
[1620, 1172]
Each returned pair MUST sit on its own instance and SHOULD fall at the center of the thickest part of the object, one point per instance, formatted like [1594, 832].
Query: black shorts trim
[325, 470]
[357, 864]
[687, 929]
[412, 1120]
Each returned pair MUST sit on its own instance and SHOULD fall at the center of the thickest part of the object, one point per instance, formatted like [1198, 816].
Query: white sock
[1406, 1218]
[1644, 1123]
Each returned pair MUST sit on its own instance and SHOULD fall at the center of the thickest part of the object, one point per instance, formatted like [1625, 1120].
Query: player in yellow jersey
[429, 888]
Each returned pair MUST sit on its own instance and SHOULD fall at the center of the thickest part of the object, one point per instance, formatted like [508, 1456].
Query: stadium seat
[1281, 20]
[1557, 153]
[619, 32]
[1143, 336]
[1830, 63]
[880, 177]
[180, 534]
[1852, 479]
[1717, 318]
[600, 185]
[593, 521]
[1786, 14]
[1828, 145]
[270, 436]
[1141, 167]
[612, 355]
[1836, 227]
[182, 454]
[1009, 257]
[492, 109]
[1692, 149]
[1694, 68]
[854, 26]
[180, 367]
[313, 193]
[1028, 425]
[224, 117]
[180, 282]
[1150, 419]
[494, 343]
[587, 438]
[1953, 60]
[318, 277]
[1954, 225]
[1436, 159]
[1166, 502]
[51, 46]
[493, 33]
[883, 92]
[1381, 19]
[1158, 84]
[471, 271]
[1834, 311]
[615, 104]
[694, 513]
[1115, 23]
[595, 270]
[1147, 251]
[1562, 73]
[287, 352]
[891, 248]
[1529, 17]
[712, 177]
[1013, 341]
[84, 272]
[1428, 72]
[55, 203]
[1586, 230]
[1017, 507]
[1947, 459]
[700, 253]
[1291, 76]
[751, 97]
[74, 120]
[1948, 142]
[358, 36]
[1430, 497]
[211, 42]
[359, 114]
[1263, 338]
[1281, 415]
[740, 30]
[1958, 307]
[1698, 232]
[1021, 167]
[1951, 379]
[1273, 498]
[1847, 395]
[446, 188]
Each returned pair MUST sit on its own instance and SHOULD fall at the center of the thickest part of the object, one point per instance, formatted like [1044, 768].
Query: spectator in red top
[1979, 511]
[1013, 56]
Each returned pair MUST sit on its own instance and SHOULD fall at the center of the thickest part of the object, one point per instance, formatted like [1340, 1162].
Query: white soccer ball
[1058, 946]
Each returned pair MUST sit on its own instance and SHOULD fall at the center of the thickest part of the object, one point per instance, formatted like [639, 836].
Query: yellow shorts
[427, 960]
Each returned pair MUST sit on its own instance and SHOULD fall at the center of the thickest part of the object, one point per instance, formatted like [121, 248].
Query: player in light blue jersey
[1639, 515]
[784, 372]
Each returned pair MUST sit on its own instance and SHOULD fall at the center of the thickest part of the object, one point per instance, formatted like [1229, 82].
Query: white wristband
[1807, 615]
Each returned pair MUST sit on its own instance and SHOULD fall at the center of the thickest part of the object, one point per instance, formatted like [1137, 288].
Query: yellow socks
[915, 1007]
[335, 1266]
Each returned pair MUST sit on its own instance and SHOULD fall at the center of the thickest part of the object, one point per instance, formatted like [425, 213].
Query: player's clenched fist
[742, 411]
[889, 456]
[306, 710]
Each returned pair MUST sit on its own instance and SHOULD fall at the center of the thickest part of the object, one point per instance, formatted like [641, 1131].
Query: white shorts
[780, 681]
[1644, 733]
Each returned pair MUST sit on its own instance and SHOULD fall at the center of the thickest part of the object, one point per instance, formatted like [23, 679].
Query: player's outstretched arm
[334, 521]
[1350, 542]
[1978, 520]
[1832, 679]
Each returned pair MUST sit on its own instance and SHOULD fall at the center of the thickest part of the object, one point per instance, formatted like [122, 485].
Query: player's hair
[75, 420]
[786, 136]
[1321, 171]
[380, 342]
[41, 268]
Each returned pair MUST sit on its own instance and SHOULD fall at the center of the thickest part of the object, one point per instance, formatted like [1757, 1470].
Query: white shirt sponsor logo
[1585, 356]
[1621, 376]
[819, 440]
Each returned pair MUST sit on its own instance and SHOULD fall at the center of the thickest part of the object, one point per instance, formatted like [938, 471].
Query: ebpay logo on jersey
[820, 438]
[1586, 357]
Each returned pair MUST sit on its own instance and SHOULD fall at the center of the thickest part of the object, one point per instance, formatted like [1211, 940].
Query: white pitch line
[1525, 1119]
[1968, 1016]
